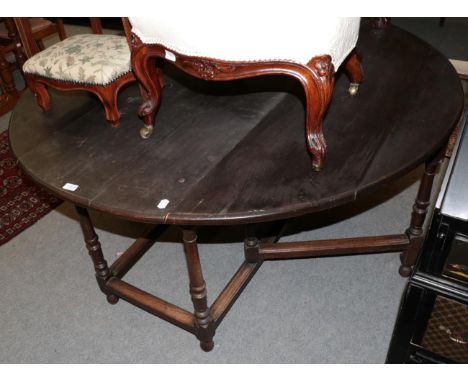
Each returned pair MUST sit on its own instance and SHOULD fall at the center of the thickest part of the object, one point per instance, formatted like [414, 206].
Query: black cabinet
[432, 324]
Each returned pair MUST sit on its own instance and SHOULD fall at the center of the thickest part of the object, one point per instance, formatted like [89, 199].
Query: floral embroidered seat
[97, 63]
[87, 59]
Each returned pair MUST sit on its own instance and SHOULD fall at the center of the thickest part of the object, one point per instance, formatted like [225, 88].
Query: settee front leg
[150, 79]
[353, 69]
[318, 84]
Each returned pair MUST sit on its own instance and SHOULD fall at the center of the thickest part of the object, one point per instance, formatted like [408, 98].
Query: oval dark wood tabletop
[234, 152]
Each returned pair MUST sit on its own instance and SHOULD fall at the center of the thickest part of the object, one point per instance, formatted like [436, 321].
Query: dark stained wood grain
[229, 153]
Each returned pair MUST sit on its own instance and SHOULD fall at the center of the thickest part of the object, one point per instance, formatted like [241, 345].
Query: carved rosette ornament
[323, 65]
[323, 70]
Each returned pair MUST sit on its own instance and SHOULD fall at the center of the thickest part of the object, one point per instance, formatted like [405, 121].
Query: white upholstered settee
[239, 43]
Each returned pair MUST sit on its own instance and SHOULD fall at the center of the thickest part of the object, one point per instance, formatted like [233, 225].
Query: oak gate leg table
[233, 153]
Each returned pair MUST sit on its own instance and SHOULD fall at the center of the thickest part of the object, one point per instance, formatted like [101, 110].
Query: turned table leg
[418, 216]
[251, 245]
[95, 251]
[204, 324]
[318, 85]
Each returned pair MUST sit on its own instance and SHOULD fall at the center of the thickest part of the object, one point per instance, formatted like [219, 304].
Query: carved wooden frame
[317, 79]
[107, 94]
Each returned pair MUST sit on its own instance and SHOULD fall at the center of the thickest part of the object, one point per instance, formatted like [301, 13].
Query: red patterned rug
[22, 203]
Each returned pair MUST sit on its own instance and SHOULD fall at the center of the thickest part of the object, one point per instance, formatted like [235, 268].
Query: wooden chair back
[128, 30]
[29, 39]
[32, 40]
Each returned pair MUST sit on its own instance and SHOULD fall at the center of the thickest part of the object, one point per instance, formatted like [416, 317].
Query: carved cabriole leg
[352, 67]
[203, 318]
[415, 230]
[149, 121]
[109, 97]
[95, 251]
[40, 91]
[151, 82]
[317, 78]
[318, 84]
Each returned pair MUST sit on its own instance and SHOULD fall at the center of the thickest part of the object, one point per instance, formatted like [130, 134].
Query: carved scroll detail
[323, 65]
[208, 69]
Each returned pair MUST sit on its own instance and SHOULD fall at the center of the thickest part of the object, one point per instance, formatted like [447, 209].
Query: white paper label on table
[163, 204]
[70, 187]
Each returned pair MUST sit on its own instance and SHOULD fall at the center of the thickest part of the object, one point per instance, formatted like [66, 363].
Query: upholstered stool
[92, 62]
[245, 43]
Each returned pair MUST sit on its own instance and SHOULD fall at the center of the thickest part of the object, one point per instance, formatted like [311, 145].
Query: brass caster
[316, 165]
[353, 89]
[146, 131]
